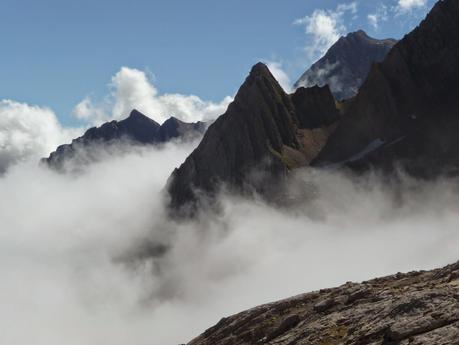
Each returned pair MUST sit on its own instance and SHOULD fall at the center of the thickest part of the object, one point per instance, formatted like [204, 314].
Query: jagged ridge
[407, 111]
[135, 129]
[256, 142]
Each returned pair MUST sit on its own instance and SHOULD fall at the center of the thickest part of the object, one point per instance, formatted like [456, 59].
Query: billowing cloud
[325, 27]
[131, 88]
[409, 5]
[95, 260]
[28, 132]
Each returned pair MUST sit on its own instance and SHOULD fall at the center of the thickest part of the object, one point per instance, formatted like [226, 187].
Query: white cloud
[71, 273]
[409, 5]
[325, 27]
[28, 132]
[85, 110]
[131, 88]
[281, 76]
[373, 20]
[380, 15]
[60, 238]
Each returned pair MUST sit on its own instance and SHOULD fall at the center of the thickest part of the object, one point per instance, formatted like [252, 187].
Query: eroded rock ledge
[413, 308]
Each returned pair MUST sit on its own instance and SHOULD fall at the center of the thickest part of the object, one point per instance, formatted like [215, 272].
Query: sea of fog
[89, 256]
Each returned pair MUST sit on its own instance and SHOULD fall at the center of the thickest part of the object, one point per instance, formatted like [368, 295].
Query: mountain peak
[253, 131]
[253, 145]
[137, 117]
[260, 69]
[172, 119]
[136, 114]
[358, 33]
[346, 64]
[137, 128]
[406, 111]
[362, 37]
[259, 79]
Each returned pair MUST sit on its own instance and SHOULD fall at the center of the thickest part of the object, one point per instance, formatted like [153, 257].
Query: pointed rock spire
[245, 149]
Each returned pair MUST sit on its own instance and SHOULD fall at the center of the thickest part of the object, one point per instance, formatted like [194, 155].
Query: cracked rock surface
[407, 309]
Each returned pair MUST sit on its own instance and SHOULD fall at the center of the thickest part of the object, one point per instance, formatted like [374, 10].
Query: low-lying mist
[89, 257]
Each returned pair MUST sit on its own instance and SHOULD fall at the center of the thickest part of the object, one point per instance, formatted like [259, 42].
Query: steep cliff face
[135, 129]
[256, 142]
[417, 308]
[251, 134]
[346, 64]
[407, 112]
[315, 107]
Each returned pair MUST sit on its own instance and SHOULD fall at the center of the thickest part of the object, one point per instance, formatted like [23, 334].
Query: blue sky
[57, 52]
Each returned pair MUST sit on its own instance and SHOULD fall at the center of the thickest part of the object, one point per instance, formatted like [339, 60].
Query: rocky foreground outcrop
[417, 308]
[346, 64]
[135, 129]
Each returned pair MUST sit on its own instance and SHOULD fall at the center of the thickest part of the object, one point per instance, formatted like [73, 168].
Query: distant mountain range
[346, 64]
[136, 129]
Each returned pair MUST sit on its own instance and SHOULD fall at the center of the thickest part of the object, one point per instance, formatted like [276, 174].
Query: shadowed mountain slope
[256, 142]
[407, 111]
[405, 114]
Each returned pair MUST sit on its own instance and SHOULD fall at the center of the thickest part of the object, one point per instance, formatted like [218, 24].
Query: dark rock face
[315, 107]
[406, 112]
[419, 308]
[252, 132]
[256, 142]
[346, 64]
[136, 129]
